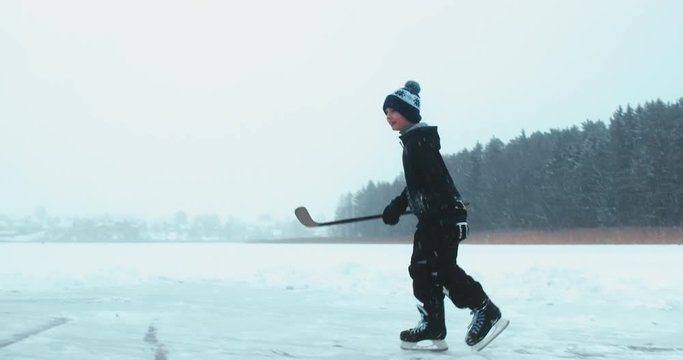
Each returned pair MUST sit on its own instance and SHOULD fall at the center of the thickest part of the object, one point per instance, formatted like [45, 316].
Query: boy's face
[396, 120]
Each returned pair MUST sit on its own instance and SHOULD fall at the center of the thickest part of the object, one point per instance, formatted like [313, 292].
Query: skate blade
[497, 329]
[425, 345]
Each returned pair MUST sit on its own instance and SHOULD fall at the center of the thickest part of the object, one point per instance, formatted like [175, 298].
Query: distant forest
[626, 173]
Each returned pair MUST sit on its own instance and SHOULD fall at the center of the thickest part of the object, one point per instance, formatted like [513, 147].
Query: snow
[275, 301]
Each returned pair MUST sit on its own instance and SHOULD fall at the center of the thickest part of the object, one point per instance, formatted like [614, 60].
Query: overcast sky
[243, 108]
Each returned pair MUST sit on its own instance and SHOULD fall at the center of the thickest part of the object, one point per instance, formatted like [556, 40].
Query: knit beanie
[406, 101]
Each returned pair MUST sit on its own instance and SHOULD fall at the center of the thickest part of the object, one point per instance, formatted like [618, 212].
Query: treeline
[626, 173]
[41, 227]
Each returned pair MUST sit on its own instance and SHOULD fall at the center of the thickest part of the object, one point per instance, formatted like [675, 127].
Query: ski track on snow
[160, 352]
[27, 334]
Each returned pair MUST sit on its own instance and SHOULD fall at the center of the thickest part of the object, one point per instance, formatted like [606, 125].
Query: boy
[442, 225]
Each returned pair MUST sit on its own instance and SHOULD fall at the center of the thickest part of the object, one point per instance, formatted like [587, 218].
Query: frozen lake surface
[276, 301]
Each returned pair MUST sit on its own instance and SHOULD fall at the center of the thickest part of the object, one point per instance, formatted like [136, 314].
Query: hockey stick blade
[305, 218]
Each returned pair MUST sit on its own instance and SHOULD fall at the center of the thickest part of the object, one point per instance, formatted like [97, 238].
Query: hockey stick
[305, 218]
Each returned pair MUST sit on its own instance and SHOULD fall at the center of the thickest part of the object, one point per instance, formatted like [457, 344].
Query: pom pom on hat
[413, 87]
[406, 101]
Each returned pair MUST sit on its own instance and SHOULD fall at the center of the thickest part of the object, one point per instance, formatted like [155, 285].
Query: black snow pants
[433, 266]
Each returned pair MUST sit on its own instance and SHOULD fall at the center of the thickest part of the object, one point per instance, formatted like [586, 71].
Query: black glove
[393, 211]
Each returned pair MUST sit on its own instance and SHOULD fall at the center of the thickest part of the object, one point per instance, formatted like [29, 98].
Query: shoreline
[623, 236]
[644, 236]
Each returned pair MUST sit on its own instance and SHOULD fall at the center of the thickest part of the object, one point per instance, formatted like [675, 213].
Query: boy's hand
[395, 208]
[391, 214]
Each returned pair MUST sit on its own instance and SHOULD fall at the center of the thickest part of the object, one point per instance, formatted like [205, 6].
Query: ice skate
[485, 319]
[428, 334]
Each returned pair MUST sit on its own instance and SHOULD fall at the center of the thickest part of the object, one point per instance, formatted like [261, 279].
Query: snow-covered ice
[277, 301]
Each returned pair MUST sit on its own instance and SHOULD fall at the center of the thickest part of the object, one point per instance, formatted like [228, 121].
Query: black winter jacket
[430, 191]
